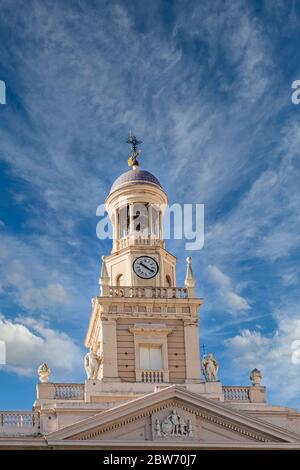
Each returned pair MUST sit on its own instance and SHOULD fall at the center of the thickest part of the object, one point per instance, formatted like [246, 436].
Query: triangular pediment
[173, 416]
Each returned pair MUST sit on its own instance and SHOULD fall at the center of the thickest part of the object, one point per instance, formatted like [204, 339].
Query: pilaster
[192, 356]
[108, 341]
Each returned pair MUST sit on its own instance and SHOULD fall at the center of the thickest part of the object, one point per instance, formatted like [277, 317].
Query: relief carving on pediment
[173, 424]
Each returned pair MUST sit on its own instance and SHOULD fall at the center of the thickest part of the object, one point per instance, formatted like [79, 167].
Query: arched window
[140, 219]
[119, 280]
[168, 281]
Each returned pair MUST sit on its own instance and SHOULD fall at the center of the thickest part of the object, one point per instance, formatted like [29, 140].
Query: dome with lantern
[135, 176]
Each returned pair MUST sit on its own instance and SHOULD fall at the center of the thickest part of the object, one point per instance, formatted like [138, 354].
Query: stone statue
[44, 371]
[92, 363]
[210, 368]
[175, 423]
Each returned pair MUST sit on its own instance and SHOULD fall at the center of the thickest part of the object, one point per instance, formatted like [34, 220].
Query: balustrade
[236, 393]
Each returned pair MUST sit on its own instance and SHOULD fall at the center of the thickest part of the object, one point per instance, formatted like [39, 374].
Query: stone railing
[60, 391]
[19, 422]
[152, 376]
[132, 241]
[149, 292]
[236, 393]
[68, 391]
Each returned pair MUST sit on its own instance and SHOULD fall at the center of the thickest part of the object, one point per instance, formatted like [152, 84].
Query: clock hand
[149, 269]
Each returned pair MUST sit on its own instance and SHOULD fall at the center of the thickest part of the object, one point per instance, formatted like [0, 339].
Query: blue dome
[136, 176]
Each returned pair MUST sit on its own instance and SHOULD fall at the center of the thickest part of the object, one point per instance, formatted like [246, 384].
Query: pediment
[173, 416]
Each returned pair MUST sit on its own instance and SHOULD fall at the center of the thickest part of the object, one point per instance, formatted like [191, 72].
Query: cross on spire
[134, 142]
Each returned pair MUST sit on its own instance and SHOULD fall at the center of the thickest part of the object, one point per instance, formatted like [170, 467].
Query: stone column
[131, 225]
[150, 232]
[115, 224]
[192, 356]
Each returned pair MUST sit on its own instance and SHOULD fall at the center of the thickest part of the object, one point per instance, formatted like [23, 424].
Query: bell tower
[143, 327]
[135, 204]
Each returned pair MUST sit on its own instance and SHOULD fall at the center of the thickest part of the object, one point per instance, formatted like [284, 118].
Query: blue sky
[207, 86]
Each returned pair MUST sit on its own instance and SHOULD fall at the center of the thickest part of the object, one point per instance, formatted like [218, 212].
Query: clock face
[145, 267]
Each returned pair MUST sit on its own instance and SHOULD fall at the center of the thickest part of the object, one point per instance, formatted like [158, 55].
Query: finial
[189, 278]
[104, 273]
[104, 278]
[134, 142]
[255, 377]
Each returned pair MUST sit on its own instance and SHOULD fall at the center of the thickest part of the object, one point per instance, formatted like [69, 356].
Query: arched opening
[123, 222]
[119, 280]
[168, 281]
[140, 219]
[155, 222]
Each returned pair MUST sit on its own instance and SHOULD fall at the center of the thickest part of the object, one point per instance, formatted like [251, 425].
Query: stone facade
[145, 388]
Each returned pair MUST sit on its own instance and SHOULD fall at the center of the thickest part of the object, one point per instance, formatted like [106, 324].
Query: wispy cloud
[232, 301]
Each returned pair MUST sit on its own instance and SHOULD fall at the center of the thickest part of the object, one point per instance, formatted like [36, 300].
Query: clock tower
[143, 327]
[144, 386]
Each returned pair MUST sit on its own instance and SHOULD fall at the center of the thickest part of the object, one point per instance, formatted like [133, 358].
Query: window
[168, 281]
[151, 357]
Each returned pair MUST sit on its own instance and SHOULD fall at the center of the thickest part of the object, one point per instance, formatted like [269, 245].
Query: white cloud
[270, 353]
[233, 301]
[30, 342]
[219, 277]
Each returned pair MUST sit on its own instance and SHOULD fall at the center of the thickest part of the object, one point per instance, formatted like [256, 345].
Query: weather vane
[132, 140]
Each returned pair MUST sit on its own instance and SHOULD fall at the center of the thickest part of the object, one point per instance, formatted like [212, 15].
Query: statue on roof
[210, 367]
[92, 362]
